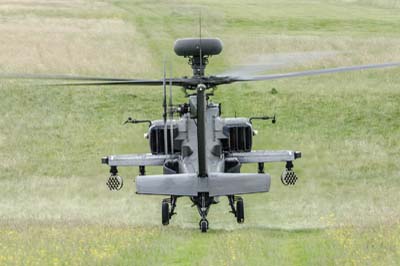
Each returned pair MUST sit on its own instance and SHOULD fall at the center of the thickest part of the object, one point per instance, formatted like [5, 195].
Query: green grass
[54, 206]
[126, 245]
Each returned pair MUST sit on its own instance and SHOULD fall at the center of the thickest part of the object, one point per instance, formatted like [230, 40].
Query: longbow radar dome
[191, 46]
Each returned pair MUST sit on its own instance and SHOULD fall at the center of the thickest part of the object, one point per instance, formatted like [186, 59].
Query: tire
[240, 211]
[203, 226]
[165, 213]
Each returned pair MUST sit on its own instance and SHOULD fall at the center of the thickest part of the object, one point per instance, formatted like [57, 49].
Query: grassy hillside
[54, 205]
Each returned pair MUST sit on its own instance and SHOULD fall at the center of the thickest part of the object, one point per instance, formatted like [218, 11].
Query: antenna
[201, 56]
[165, 111]
[171, 111]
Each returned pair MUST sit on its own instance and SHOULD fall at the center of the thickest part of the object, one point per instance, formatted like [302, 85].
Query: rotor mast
[197, 50]
[198, 65]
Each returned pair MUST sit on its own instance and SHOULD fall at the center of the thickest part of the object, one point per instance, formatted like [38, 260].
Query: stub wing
[136, 159]
[189, 184]
[265, 156]
[243, 157]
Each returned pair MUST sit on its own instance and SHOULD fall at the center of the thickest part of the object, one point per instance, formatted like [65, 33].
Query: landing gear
[203, 202]
[166, 212]
[238, 212]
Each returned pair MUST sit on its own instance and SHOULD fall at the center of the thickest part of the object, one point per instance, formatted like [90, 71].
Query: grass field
[54, 206]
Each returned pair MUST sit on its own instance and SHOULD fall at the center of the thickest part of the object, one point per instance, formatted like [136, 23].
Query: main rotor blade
[174, 81]
[165, 109]
[98, 81]
[312, 72]
[57, 77]
[263, 63]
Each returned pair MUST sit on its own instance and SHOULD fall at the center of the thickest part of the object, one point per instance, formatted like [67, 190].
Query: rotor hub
[198, 50]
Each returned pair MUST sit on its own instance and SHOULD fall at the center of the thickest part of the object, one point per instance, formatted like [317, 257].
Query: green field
[54, 206]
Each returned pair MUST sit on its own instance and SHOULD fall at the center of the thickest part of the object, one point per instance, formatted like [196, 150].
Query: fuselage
[222, 136]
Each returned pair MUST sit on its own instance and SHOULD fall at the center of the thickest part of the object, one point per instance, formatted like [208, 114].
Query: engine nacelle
[156, 137]
[239, 133]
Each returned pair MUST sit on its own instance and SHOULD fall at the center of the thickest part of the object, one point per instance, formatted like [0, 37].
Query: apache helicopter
[201, 153]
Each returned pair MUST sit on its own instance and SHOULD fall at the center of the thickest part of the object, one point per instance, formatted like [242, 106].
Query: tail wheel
[165, 213]
[239, 211]
[203, 225]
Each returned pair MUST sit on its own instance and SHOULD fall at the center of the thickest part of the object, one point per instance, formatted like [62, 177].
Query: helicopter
[201, 152]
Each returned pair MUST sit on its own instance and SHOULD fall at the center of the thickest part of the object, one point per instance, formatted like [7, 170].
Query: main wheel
[239, 211]
[203, 225]
[165, 213]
